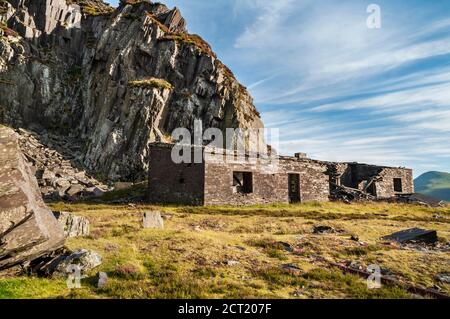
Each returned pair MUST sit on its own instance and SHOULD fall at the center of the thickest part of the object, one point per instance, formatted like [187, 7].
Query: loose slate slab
[28, 228]
[102, 278]
[413, 235]
[291, 269]
[74, 226]
[63, 262]
[153, 220]
[323, 230]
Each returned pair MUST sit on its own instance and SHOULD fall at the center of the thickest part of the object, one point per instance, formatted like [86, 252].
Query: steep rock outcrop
[28, 229]
[70, 70]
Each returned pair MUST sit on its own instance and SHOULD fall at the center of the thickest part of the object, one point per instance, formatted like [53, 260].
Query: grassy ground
[225, 252]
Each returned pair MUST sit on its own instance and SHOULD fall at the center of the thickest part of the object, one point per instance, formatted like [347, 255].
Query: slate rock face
[28, 228]
[73, 67]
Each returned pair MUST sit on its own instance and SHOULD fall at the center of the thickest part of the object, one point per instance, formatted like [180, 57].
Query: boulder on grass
[74, 226]
[153, 220]
[102, 280]
[323, 230]
[62, 263]
[415, 235]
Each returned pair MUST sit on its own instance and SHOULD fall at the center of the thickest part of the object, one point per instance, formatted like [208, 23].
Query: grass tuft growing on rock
[7, 31]
[93, 7]
[190, 39]
[151, 83]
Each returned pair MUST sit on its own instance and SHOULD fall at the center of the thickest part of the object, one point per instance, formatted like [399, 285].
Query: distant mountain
[435, 184]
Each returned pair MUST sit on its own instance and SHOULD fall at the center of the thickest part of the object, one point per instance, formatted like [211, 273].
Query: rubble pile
[417, 239]
[419, 199]
[348, 194]
[55, 161]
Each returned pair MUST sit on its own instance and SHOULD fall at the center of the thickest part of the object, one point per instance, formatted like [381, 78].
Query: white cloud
[325, 50]
[336, 89]
[267, 26]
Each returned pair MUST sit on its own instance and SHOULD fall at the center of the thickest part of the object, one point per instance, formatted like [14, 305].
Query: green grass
[362, 251]
[93, 8]
[272, 248]
[189, 39]
[28, 287]
[351, 286]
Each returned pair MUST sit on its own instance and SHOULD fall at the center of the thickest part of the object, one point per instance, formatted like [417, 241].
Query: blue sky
[337, 89]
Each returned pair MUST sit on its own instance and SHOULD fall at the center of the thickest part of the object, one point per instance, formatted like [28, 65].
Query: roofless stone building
[251, 179]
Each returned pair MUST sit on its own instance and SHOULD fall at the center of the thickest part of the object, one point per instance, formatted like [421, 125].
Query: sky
[336, 89]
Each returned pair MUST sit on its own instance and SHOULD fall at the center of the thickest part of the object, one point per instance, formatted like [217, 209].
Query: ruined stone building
[103, 83]
[249, 179]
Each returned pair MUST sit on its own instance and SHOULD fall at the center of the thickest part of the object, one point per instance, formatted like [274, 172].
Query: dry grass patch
[229, 252]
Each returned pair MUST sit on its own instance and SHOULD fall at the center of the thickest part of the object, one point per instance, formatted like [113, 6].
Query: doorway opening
[294, 188]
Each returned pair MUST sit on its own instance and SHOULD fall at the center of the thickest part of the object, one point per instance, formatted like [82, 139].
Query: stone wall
[219, 190]
[174, 183]
[385, 187]
[212, 183]
[267, 187]
[314, 179]
[357, 176]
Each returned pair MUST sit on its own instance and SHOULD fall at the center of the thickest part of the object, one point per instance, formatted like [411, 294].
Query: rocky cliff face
[112, 80]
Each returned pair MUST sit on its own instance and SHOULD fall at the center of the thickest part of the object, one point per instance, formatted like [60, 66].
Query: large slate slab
[74, 226]
[153, 220]
[413, 235]
[28, 228]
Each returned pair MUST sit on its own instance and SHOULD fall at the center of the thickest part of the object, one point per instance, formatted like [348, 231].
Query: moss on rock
[151, 83]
